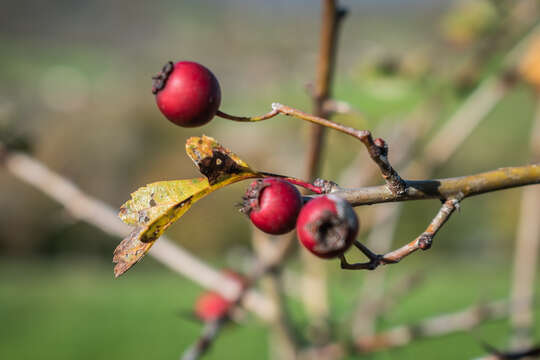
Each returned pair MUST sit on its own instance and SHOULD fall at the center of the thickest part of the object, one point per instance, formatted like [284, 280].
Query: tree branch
[84, 207]
[377, 149]
[435, 326]
[315, 293]
[210, 331]
[421, 242]
[526, 253]
[463, 186]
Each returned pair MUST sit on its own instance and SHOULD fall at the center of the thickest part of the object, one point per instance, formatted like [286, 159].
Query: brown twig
[332, 16]
[210, 331]
[315, 293]
[453, 189]
[464, 186]
[421, 242]
[377, 149]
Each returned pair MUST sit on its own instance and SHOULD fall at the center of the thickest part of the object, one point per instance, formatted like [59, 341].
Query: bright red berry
[272, 205]
[327, 226]
[211, 306]
[187, 93]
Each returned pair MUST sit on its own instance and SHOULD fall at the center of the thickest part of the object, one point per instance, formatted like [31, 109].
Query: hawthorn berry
[211, 306]
[187, 93]
[272, 205]
[327, 226]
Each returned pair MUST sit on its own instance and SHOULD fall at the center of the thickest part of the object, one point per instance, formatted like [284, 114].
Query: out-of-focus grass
[77, 311]
[64, 310]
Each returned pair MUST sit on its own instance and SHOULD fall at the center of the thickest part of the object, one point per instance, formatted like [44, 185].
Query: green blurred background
[75, 79]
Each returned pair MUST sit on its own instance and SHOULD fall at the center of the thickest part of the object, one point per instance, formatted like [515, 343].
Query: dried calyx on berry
[161, 78]
[272, 205]
[327, 226]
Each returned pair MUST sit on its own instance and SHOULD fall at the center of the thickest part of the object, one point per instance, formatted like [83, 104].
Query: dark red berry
[272, 205]
[211, 306]
[187, 93]
[327, 226]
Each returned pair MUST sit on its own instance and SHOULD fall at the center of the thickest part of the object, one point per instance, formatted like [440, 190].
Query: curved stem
[278, 108]
[377, 149]
[289, 111]
[266, 116]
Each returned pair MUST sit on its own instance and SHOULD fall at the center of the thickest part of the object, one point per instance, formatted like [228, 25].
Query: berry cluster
[188, 94]
[326, 225]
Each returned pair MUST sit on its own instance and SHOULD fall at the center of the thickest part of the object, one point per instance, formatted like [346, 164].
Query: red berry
[211, 306]
[187, 93]
[327, 226]
[272, 205]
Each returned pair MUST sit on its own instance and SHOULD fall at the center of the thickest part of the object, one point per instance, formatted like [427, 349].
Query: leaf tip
[120, 269]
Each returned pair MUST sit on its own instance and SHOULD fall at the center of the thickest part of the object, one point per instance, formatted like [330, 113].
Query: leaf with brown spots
[155, 207]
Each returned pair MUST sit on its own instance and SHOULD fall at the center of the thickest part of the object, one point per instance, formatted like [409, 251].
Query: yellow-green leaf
[153, 208]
